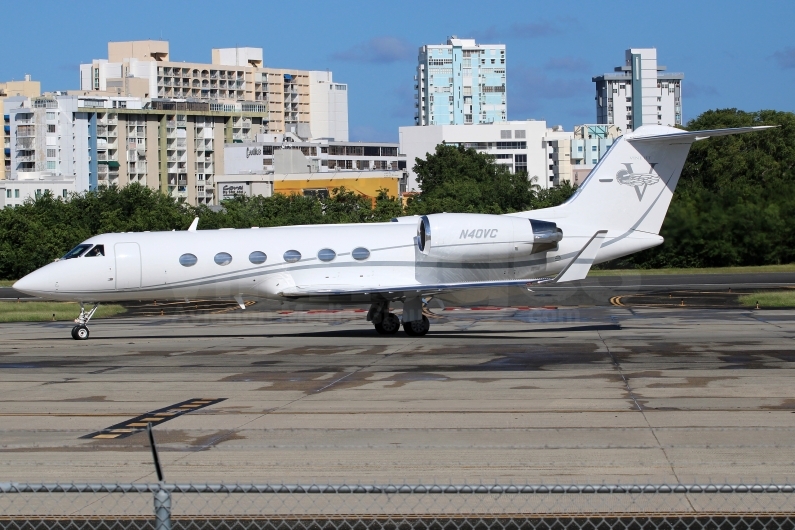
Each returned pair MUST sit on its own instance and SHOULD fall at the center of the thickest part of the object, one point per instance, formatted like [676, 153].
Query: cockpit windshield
[98, 250]
[77, 251]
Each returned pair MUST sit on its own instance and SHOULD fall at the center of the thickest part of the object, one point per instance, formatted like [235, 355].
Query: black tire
[74, 332]
[390, 324]
[81, 332]
[418, 328]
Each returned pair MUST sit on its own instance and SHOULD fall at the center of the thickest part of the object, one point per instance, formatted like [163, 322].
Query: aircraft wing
[577, 269]
[402, 291]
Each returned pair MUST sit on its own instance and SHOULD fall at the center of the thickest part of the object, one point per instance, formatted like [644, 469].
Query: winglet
[193, 225]
[578, 268]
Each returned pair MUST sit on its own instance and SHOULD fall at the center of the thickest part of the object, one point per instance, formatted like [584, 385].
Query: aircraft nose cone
[32, 284]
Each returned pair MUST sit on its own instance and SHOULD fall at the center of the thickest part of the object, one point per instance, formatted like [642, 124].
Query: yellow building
[367, 183]
[8, 89]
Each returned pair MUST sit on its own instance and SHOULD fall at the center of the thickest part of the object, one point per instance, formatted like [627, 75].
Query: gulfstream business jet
[617, 211]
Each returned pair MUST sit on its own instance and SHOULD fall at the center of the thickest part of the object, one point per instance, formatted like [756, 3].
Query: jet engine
[482, 237]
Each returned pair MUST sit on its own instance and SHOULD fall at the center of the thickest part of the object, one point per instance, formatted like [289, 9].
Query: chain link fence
[460, 507]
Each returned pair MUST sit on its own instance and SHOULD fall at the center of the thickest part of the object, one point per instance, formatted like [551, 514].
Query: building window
[505, 135]
[51, 128]
[579, 149]
[511, 145]
[593, 161]
[50, 164]
[593, 148]
[8, 194]
[519, 134]
[52, 153]
[16, 194]
[64, 193]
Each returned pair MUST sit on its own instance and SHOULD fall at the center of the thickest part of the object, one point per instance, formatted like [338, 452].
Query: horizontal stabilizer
[692, 136]
[578, 268]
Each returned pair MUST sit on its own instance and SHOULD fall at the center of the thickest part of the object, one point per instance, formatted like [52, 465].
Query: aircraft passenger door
[128, 266]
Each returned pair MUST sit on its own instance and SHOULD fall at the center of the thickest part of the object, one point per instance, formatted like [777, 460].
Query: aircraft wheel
[390, 324]
[418, 328]
[80, 332]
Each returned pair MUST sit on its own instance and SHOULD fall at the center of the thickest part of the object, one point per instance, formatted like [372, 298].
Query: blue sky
[733, 53]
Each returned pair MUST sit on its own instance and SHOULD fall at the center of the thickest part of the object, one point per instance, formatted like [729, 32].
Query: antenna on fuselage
[193, 225]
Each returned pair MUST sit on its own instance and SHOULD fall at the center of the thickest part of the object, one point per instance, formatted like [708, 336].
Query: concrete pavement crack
[617, 367]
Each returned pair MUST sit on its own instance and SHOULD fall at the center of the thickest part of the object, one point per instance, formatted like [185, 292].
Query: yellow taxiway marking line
[107, 435]
[616, 300]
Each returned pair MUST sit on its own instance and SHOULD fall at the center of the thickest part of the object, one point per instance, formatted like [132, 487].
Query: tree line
[734, 204]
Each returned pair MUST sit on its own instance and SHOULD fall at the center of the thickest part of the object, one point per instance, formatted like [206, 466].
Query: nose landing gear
[80, 331]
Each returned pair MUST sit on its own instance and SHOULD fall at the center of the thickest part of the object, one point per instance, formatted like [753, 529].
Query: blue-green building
[460, 83]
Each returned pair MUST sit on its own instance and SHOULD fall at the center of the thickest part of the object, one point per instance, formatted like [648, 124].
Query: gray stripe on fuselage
[238, 275]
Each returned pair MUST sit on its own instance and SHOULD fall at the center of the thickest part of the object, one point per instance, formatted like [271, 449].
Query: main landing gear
[387, 323]
[417, 328]
[80, 331]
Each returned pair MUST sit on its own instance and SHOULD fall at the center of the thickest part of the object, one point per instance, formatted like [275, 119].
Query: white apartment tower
[297, 101]
[460, 83]
[640, 92]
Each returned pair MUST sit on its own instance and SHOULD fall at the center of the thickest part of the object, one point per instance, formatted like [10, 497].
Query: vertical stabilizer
[632, 186]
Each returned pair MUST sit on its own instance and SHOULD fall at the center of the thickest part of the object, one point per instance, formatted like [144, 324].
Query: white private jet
[617, 211]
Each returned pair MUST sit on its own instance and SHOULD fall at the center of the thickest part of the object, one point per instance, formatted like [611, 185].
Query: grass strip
[43, 311]
[769, 299]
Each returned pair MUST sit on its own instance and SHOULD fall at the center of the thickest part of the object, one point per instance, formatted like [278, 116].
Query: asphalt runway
[591, 394]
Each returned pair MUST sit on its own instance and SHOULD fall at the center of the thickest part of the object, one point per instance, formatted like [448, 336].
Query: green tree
[457, 179]
[735, 203]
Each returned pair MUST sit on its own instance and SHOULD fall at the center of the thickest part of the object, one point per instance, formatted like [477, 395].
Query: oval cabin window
[223, 258]
[360, 253]
[257, 257]
[326, 255]
[188, 260]
[291, 256]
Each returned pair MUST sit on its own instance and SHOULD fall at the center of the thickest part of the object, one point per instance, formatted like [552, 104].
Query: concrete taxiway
[616, 394]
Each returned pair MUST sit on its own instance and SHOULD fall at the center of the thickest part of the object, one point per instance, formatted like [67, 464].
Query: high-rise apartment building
[305, 102]
[26, 88]
[460, 83]
[173, 146]
[640, 92]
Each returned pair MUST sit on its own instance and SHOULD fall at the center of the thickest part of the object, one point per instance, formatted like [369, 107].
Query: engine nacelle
[483, 237]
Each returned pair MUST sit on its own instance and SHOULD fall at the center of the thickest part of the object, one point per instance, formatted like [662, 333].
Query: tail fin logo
[639, 181]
